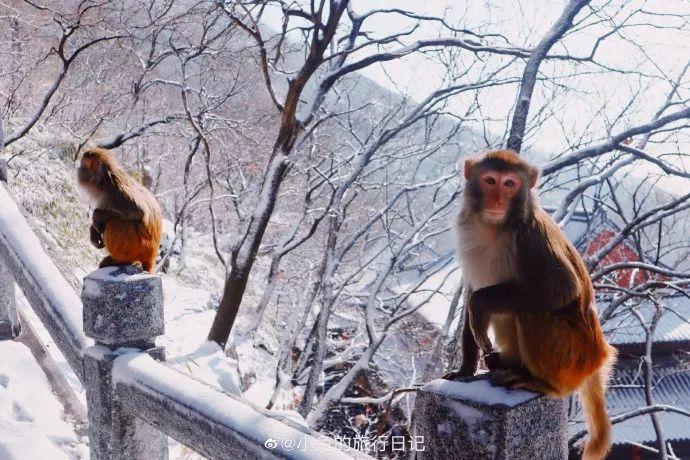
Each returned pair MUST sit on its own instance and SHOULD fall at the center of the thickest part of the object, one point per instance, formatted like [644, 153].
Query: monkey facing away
[526, 281]
[127, 220]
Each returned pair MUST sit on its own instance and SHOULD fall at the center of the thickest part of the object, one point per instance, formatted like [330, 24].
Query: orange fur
[562, 348]
[127, 243]
[568, 353]
[133, 233]
[508, 156]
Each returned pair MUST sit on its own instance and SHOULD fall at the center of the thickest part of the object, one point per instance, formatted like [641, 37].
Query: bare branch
[529, 77]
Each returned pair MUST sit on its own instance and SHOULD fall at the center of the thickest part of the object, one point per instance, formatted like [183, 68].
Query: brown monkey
[529, 284]
[127, 220]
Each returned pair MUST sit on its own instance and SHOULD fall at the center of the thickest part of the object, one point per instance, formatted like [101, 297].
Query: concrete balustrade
[474, 420]
[123, 313]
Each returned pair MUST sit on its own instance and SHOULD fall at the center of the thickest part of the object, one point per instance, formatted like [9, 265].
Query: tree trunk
[244, 254]
[320, 337]
[327, 301]
[266, 296]
[229, 307]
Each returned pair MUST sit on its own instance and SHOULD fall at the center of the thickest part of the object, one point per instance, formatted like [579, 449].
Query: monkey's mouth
[494, 215]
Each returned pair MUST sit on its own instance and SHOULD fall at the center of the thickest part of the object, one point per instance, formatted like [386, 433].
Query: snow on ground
[188, 318]
[209, 364]
[188, 313]
[190, 302]
[31, 418]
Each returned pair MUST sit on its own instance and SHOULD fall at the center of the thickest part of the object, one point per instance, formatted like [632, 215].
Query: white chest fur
[487, 255]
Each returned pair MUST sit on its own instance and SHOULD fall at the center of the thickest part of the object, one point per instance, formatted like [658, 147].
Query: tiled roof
[673, 326]
[640, 429]
[671, 386]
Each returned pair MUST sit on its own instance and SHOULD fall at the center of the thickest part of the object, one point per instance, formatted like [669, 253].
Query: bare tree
[69, 46]
[333, 41]
[328, 199]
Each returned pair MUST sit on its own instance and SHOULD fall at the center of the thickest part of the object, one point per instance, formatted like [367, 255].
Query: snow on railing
[215, 424]
[49, 294]
[134, 399]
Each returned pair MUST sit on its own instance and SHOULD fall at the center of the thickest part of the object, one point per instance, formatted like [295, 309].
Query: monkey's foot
[505, 378]
[107, 262]
[139, 265]
[510, 378]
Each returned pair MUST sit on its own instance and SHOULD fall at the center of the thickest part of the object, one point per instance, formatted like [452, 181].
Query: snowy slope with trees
[332, 197]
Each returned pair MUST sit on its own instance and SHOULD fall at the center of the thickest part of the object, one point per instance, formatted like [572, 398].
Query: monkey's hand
[493, 360]
[100, 219]
[96, 238]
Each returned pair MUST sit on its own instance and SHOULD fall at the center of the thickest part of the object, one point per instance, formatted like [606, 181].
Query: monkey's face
[88, 177]
[498, 189]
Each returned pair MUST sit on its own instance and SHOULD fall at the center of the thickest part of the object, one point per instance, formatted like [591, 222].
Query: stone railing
[474, 420]
[134, 400]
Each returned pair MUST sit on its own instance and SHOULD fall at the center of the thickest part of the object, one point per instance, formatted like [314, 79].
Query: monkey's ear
[533, 177]
[469, 166]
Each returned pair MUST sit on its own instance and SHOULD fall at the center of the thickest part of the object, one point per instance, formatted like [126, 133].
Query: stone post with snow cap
[123, 313]
[472, 419]
[9, 321]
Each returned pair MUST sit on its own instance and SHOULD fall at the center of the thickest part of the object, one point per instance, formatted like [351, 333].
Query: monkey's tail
[592, 394]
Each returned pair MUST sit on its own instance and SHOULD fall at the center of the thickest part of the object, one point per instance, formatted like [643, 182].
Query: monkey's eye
[509, 183]
[490, 180]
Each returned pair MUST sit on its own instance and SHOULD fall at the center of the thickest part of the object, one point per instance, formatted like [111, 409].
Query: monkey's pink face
[498, 189]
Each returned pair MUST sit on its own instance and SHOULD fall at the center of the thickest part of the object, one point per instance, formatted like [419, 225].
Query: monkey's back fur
[133, 233]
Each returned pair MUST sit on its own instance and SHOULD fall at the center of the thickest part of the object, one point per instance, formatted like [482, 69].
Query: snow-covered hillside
[31, 418]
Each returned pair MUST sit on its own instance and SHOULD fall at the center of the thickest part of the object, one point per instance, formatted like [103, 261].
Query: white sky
[590, 102]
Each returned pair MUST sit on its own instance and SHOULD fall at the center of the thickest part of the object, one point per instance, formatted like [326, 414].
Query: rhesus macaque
[526, 281]
[127, 220]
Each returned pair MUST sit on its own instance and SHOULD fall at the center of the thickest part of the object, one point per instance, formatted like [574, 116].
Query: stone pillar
[123, 313]
[474, 420]
[9, 321]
